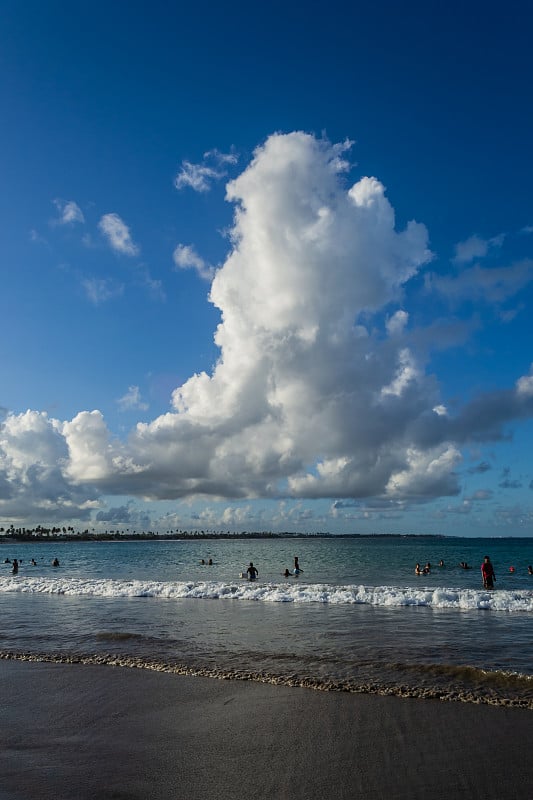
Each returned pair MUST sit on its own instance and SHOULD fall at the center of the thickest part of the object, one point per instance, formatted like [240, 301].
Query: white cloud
[426, 473]
[186, 257]
[407, 373]
[397, 323]
[476, 247]
[492, 285]
[118, 235]
[221, 158]
[132, 400]
[199, 177]
[33, 462]
[524, 385]
[69, 212]
[304, 400]
[152, 285]
[99, 290]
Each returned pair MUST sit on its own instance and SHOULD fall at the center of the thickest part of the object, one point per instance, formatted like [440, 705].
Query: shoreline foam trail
[79, 731]
[402, 690]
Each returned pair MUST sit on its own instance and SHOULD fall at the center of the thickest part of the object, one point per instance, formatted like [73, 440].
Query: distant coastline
[41, 534]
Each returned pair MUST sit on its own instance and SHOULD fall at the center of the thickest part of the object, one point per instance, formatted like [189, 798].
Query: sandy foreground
[75, 732]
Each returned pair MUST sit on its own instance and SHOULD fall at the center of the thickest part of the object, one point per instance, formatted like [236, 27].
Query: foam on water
[384, 596]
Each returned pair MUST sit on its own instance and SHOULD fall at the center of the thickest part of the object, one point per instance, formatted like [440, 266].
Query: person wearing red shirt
[487, 572]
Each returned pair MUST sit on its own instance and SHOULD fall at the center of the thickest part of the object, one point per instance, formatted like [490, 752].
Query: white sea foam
[385, 596]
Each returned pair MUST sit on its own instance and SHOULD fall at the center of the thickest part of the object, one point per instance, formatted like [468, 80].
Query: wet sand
[73, 731]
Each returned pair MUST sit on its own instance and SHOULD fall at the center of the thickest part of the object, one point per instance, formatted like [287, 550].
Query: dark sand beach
[72, 731]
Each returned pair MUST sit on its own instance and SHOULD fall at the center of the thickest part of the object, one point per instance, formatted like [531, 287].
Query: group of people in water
[16, 562]
[295, 571]
[427, 569]
[487, 570]
[252, 572]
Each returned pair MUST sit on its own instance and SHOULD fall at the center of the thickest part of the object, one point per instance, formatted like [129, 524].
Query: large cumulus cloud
[307, 398]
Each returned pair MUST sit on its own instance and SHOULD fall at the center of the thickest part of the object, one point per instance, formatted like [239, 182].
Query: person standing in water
[252, 572]
[297, 568]
[487, 572]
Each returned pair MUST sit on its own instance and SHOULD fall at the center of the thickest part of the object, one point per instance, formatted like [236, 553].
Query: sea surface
[356, 618]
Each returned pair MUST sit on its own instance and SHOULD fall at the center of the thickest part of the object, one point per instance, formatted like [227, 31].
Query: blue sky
[267, 268]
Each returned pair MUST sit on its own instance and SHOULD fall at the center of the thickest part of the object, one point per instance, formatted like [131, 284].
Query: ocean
[356, 618]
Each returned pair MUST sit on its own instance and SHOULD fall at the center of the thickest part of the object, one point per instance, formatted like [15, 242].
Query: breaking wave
[384, 596]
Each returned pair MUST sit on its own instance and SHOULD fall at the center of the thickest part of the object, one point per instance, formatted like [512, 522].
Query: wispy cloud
[36, 237]
[480, 468]
[118, 235]
[132, 400]
[69, 213]
[99, 290]
[186, 257]
[507, 482]
[152, 285]
[492, 284]
[476, 247]
[199, 177]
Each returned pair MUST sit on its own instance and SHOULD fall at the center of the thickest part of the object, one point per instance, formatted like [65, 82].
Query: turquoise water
[356, 618]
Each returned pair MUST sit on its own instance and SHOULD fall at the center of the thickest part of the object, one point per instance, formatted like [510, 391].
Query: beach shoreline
[85, 731]
[443, 694]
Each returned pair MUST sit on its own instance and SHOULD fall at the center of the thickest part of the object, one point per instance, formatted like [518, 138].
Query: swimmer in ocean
[252, 572]
[418, 571]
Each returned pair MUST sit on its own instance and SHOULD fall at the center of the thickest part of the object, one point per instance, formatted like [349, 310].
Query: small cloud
[222, 158]
[99, 290]
[199, 177]
[36, 237]
[153, 285]
[480, 494]
[524, 385]
[396, 324]
[132, 400]
[493, 285]
[118, 235]
[476, 247]
[406, 374]
[186, 257]
[116, 514]
[507, 482]
[480, 468]
[527, 229]
[69, 213]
